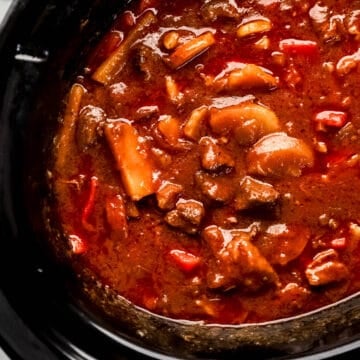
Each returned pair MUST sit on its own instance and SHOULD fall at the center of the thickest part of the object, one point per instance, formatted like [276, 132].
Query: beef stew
[207, 160]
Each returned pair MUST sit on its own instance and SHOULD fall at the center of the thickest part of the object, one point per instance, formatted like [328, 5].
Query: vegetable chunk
[251, 76]
[106, 72]
[247, 121]
[188, 51]
[254, 27]
[132, 159]
[279, 155]
[69, 125]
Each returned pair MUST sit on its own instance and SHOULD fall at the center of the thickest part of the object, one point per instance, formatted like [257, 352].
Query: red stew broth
[244, 210]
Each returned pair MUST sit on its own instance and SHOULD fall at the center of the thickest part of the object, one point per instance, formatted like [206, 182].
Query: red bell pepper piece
[78, 245]
[116, 214]
[298, 47]
[335, 119]
[89, 206]
[339, 243]
[338, 158]
[185, 260]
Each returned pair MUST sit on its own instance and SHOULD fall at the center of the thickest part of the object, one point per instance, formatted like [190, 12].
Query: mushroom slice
[251, 76]
[279, 155]
[254, 27]
[247, 121]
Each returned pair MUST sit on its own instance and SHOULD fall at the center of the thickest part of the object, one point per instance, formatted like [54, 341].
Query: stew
[207, 163]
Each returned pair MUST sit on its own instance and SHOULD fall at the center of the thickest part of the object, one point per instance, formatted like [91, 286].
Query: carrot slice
[106, 72]
[132, 159]
[67, 131]
[189, 50]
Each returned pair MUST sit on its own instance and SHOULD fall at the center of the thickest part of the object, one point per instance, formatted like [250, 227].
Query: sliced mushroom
[247, 121]
[171, 39]
[254, 27]
[251, 76]
[279, 155]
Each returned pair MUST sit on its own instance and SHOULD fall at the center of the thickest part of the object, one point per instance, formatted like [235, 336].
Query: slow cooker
[40, 318]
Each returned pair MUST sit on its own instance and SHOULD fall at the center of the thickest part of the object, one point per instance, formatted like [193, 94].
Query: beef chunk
[215, 188]
[167, 195]
[191, 210]
[146, 112]
[187, 216]
[253, 192]
[213, 157]
[330, 27]
[214, 9]
[237, 261]
[147, 60]
[326, 269]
